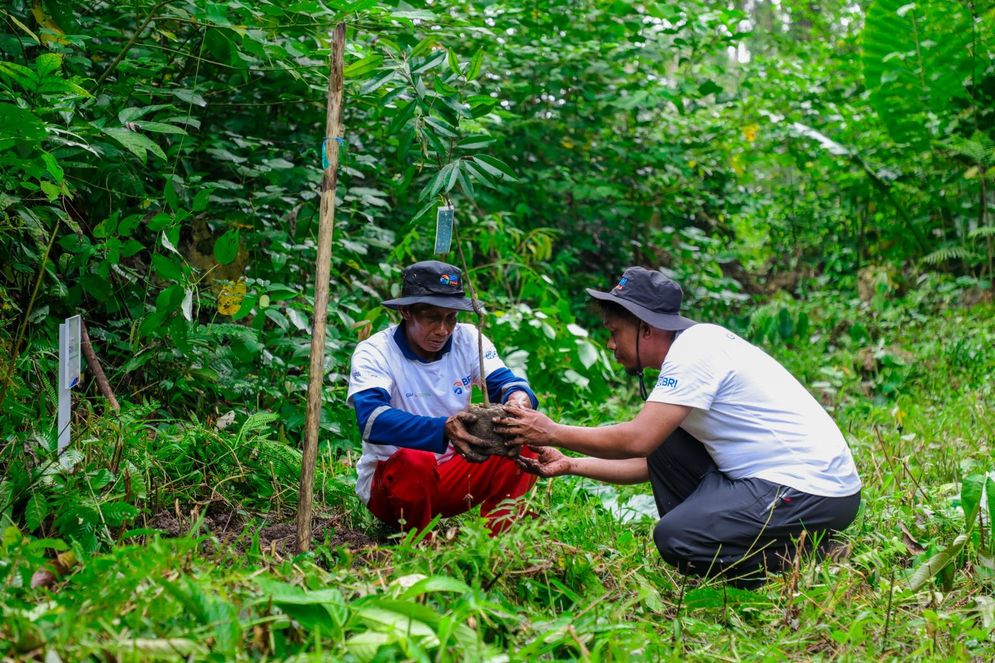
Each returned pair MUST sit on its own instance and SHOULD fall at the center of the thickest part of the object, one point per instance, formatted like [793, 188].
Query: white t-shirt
[755, 418]
[432, 389]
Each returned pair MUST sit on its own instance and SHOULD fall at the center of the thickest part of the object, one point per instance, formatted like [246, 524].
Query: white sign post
[69, 374]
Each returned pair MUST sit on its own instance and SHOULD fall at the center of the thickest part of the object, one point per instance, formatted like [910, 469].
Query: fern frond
[983, 231]
[945, 254]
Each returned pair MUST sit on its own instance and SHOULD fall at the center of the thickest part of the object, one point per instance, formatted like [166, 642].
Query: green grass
[575, 582]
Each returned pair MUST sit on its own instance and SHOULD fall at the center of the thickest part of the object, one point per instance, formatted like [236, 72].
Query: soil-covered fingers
[525, 426]
[468, 446]
[548, 462]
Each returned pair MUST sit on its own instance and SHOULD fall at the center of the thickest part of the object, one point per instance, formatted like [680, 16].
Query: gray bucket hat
[432, 282]
[650, 296]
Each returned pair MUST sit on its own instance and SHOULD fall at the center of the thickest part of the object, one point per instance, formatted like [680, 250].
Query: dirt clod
[481, 425]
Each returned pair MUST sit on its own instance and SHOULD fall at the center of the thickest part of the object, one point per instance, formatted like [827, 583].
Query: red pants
[412, 487]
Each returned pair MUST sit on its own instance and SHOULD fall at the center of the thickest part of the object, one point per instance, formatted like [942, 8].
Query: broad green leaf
[478, 173]
[573, 377]
[970, 498]
[170, 237]
[453, 176]
[35, 511]
[364, 646]
[132, 113]
[398, 623]
[190, 97]
[52, 191]
[435, 584]
[432, 62]
[226, 247]
[376, 83]
[160, 127]
[453, 61]
[475, 142]
[201, 200]
[136, 143]
[441, 178]
[52, 166]
[166, 267]
[360, 68]
[19, 126]
[48, 63]
[277, 317]
[423, 46]
[587, 353]
[298, 319]
[495, 167]
[473, 70]
[23, 76]
[936, 563]
[442, 127]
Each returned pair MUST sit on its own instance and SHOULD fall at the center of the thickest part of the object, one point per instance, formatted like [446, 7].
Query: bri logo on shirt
[461, 384]
[667, 382]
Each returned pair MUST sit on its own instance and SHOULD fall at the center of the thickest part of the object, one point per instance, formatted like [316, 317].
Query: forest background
[816, 174]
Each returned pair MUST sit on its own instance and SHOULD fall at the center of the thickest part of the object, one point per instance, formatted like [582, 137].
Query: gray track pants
[711, 524]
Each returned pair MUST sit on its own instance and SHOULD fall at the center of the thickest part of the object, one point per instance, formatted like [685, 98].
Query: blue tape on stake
[324, 150]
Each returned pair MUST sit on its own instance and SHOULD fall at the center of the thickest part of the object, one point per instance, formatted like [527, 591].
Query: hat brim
[664, 321]
[455, 303]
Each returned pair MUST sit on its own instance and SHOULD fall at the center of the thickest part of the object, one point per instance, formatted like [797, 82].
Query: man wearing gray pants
[741, 458]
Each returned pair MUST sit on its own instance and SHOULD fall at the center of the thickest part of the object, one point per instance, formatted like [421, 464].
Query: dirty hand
[549, 462]
[462, 440]
[519, 398]
[525, 427]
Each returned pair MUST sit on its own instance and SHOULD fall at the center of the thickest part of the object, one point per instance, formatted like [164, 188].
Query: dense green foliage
[817, 175]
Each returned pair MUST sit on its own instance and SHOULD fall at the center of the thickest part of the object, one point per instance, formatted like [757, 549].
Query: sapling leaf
[495, 167]
[453, 176]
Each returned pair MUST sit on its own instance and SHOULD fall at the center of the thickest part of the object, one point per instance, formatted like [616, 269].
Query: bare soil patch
[229, 529]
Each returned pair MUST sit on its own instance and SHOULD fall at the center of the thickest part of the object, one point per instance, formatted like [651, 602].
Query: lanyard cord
[643, 393]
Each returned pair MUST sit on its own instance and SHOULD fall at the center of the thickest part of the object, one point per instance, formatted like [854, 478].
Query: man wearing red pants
[407, 384]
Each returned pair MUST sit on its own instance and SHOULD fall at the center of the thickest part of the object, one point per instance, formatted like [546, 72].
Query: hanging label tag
[444, 229]
[70, 352]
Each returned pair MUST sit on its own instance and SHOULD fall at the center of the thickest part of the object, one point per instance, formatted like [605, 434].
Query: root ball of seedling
[480, 423]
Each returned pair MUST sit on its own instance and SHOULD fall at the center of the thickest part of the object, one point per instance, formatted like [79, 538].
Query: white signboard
[71, 352]
[70, 333]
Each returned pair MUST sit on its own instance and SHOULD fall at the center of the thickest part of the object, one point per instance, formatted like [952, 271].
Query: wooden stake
[326, 226]
[96, 369]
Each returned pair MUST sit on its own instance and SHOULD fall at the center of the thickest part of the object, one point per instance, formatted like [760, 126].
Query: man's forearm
[631, 439]
[630, 470]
